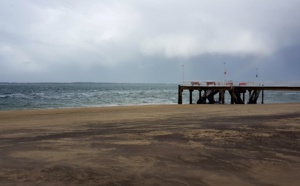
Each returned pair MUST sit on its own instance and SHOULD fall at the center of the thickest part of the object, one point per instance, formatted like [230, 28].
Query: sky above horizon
[149, 41]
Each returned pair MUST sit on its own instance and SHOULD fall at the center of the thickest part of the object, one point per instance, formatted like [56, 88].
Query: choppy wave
[54, 95]
[59, 95]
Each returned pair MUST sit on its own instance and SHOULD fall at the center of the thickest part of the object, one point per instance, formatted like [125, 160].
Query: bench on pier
[229, 84]
[208, 83]
[195, 83]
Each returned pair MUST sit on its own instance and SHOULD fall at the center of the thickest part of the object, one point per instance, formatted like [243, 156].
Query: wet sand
[152, 145]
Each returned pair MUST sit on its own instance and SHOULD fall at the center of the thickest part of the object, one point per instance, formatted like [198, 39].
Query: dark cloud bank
[148, 41]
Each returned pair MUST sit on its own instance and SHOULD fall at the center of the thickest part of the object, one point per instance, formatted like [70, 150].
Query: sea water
[17, 96]
[68, 95]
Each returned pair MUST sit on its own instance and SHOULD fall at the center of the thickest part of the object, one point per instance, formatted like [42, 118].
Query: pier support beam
[223, 96]
[232, 98]
[254, 94]
[200, 96]
[191, 96]
[179, 94]
[236, 96]
[262, 97]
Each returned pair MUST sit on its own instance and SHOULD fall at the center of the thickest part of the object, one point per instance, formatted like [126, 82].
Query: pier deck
[208, 91]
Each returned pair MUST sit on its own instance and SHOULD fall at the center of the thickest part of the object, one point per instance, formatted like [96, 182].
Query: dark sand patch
[152, 145]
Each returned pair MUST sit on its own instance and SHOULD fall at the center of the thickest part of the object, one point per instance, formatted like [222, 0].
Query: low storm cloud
[148, 41]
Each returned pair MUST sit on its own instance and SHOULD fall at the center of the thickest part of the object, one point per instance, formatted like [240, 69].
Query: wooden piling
[191, 96]
[262, 97]
[180, 94]
[200, 91]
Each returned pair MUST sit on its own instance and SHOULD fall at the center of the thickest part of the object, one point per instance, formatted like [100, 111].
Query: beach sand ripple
[152, 145]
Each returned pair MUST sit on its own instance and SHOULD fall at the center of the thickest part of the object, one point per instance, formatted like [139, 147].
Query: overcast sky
[148, 40]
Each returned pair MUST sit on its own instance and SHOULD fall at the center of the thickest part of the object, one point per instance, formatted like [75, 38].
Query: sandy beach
[152, 145]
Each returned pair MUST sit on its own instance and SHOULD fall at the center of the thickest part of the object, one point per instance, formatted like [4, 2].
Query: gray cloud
[134, 41]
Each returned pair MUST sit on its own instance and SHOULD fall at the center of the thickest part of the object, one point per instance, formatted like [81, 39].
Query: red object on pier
[242, 84]
[210, 83]
[195, 83]
[229, 84]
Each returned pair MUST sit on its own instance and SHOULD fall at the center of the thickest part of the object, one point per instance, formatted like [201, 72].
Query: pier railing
[220, 83]
[241, 83]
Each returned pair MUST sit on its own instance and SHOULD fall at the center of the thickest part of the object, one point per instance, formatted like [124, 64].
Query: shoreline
[152, 145]
[135, 105]
[91, 106]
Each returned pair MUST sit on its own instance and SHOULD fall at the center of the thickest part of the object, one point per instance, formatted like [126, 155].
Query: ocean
[20, 96]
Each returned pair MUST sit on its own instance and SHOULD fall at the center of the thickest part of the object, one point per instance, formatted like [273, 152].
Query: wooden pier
[209, 90]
